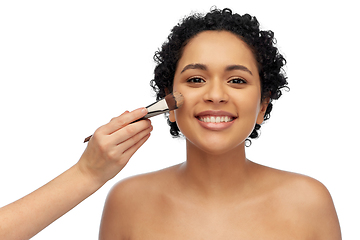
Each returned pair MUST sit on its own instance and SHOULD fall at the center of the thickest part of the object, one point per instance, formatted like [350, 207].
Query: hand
[113, 144]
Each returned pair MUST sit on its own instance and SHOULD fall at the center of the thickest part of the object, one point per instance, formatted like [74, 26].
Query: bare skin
[218, 193]
[107, 153]
[271, 205]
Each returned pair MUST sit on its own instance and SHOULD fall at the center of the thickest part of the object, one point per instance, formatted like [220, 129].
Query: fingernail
[144, 110]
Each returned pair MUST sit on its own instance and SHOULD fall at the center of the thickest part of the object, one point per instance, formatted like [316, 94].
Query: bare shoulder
[144, 184]
[307, 200]
[316, 206]
[131, 200]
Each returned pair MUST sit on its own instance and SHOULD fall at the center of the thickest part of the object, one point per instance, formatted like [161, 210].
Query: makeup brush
[170, 102]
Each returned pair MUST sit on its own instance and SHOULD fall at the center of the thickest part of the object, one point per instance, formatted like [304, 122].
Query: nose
[216, 93]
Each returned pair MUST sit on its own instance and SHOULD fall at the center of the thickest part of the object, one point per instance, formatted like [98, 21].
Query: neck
[215, 174]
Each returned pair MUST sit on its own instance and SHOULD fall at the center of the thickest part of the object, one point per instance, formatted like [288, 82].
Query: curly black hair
[262, 43]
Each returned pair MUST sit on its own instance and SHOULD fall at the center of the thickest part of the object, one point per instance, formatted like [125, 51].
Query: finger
[120, 152]
[123, 120]
[129, 131]
[103, 130]
[134, 139]
[125, 157]
[124, 113]
[130, 151]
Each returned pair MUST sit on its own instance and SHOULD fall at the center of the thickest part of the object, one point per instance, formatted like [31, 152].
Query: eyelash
[191, 80]
[242, 81]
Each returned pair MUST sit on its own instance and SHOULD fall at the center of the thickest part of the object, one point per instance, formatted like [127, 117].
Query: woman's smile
[215, 120]
[218, 77]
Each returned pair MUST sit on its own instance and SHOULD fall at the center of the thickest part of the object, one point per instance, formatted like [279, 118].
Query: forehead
[218, 48]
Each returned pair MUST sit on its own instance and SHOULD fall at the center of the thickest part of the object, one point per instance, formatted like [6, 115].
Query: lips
[215, 120]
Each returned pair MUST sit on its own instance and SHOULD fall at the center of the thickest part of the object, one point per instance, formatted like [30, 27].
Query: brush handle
[154, 109]
[148, 115]
[154, 113]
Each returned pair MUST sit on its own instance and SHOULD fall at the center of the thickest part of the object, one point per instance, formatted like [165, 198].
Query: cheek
[191, 98]
[184, 110]
[180, 119]
[185, 113]
[248, 104]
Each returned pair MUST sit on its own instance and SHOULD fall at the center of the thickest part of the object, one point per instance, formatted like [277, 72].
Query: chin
[218, 147]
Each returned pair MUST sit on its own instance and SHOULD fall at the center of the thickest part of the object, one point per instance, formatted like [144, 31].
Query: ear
[263, 106]
[172, 116]
[171, 113]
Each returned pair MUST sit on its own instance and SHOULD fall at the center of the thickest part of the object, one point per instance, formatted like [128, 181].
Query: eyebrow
[204, 67]
[238, 67]
[194, 66]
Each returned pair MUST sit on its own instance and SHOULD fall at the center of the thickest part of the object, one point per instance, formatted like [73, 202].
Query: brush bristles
[174, 100]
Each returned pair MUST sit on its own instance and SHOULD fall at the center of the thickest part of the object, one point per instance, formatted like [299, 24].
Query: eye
[195, 80]
[237, 81]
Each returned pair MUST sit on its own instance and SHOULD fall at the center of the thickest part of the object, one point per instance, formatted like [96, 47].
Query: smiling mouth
[215, 119]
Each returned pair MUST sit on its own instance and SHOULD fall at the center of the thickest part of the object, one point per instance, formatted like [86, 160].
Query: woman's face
[218, 77]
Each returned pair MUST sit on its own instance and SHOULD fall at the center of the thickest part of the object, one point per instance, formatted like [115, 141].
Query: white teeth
[215, 119]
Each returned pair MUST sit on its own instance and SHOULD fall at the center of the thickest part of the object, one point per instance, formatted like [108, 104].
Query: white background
[67, 67]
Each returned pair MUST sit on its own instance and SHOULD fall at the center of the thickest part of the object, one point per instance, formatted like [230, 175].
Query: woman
[229, 72]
